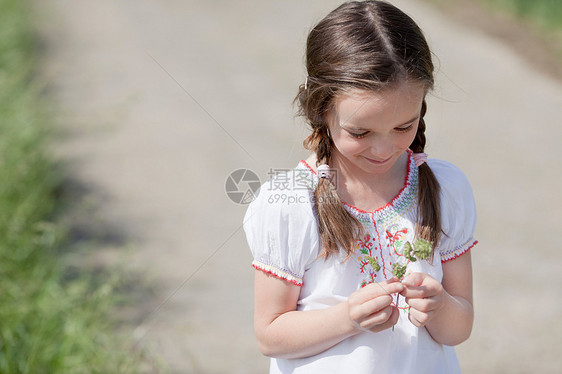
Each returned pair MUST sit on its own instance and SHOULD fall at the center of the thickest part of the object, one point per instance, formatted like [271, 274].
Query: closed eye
[405, 129]
[357, 135]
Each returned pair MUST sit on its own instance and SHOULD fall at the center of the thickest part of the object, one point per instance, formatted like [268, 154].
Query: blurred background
[121, 121]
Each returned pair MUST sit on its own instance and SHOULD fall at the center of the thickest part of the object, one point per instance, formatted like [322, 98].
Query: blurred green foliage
[47, 324]
[547, 14]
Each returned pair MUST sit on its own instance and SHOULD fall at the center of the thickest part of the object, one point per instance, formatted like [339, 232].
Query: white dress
[281, 229]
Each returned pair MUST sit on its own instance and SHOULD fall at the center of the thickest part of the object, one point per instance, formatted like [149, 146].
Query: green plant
[547, 14]
[420, 250]
[48, 323]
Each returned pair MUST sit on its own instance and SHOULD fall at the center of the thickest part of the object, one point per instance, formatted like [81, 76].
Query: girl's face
[371, 130]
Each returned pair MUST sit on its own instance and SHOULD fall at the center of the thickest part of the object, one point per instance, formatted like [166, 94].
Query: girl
[362, 251]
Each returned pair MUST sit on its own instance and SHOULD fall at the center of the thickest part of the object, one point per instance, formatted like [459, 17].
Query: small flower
[373, 262]
[420, 250]
[423, 248]
[407, 252]
[398, 270]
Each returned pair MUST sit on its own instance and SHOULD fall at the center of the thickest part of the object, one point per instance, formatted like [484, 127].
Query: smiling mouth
[375, 162]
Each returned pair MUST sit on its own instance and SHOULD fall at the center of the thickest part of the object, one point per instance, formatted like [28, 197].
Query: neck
[368, 190]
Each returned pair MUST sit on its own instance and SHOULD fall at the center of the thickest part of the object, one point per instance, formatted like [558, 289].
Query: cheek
[405, 140]
[348, 146]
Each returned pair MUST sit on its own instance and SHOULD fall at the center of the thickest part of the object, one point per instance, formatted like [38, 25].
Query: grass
[532, 28]
[48, 323]
[543, 18]
[546, 14]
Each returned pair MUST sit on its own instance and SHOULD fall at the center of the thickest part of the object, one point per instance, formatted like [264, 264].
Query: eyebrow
[343, 125]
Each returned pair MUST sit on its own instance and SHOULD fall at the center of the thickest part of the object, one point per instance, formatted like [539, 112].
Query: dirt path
[162, 100]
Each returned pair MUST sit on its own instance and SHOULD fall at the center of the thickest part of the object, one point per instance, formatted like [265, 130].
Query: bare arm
[445, 308]
[284, 332]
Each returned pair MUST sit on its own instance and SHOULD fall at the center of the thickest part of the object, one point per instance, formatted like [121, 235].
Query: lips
[378, 162]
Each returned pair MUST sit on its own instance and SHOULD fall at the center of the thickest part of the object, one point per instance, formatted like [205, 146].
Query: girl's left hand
[425, 296]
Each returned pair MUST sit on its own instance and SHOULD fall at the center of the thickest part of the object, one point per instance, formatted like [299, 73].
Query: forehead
[389, 106]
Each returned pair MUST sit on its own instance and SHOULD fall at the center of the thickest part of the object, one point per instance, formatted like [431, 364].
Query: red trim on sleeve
[457, 255]
[296, 283]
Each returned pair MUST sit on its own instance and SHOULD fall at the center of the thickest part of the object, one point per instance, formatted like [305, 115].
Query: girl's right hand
[370, 307]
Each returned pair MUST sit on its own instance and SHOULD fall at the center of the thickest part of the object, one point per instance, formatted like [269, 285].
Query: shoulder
[458, 209]
[455, 186]
[281, 225]
[286, 196]
[287, 185]
[448, 175]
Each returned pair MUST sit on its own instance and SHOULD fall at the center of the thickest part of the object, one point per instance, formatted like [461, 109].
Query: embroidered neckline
[399, 203]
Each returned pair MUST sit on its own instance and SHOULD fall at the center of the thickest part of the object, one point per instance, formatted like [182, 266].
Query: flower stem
[397, 296]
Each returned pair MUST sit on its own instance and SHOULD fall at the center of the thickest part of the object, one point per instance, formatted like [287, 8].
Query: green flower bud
[373, 262]
[399, 270]
[407, 252]
[423, 248]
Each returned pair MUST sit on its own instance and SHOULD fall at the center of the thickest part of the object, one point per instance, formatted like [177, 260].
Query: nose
[380, 148]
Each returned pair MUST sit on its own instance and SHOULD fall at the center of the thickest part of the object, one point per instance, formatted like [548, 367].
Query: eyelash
[404, 129]
[399, 129]
[358, 136]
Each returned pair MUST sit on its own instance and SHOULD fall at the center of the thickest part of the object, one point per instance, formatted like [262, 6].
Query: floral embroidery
[388, 242]
[368, 262]
[388, 229]
[397, 238]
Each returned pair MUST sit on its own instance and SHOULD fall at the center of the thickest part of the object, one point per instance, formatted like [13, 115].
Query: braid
[324, 146]
[418, 145]
[429, 209]
[336, 226]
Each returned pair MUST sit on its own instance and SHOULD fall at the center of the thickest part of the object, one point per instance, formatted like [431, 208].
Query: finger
[428, 288]
[414, 292]
[374, 290]
[423, 305]
[414, 279]
[391, 321]
[391, 280]
[419, 319]
[374, 305]
[378, 318]
[412, 318]
[362, 312]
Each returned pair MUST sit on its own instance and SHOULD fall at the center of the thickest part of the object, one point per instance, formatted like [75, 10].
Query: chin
[378, 170]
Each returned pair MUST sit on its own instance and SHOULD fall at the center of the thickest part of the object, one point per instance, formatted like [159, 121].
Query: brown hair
[369, 45]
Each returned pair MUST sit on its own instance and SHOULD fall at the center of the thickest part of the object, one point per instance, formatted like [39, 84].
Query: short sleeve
[458, 210]
[281, 229]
